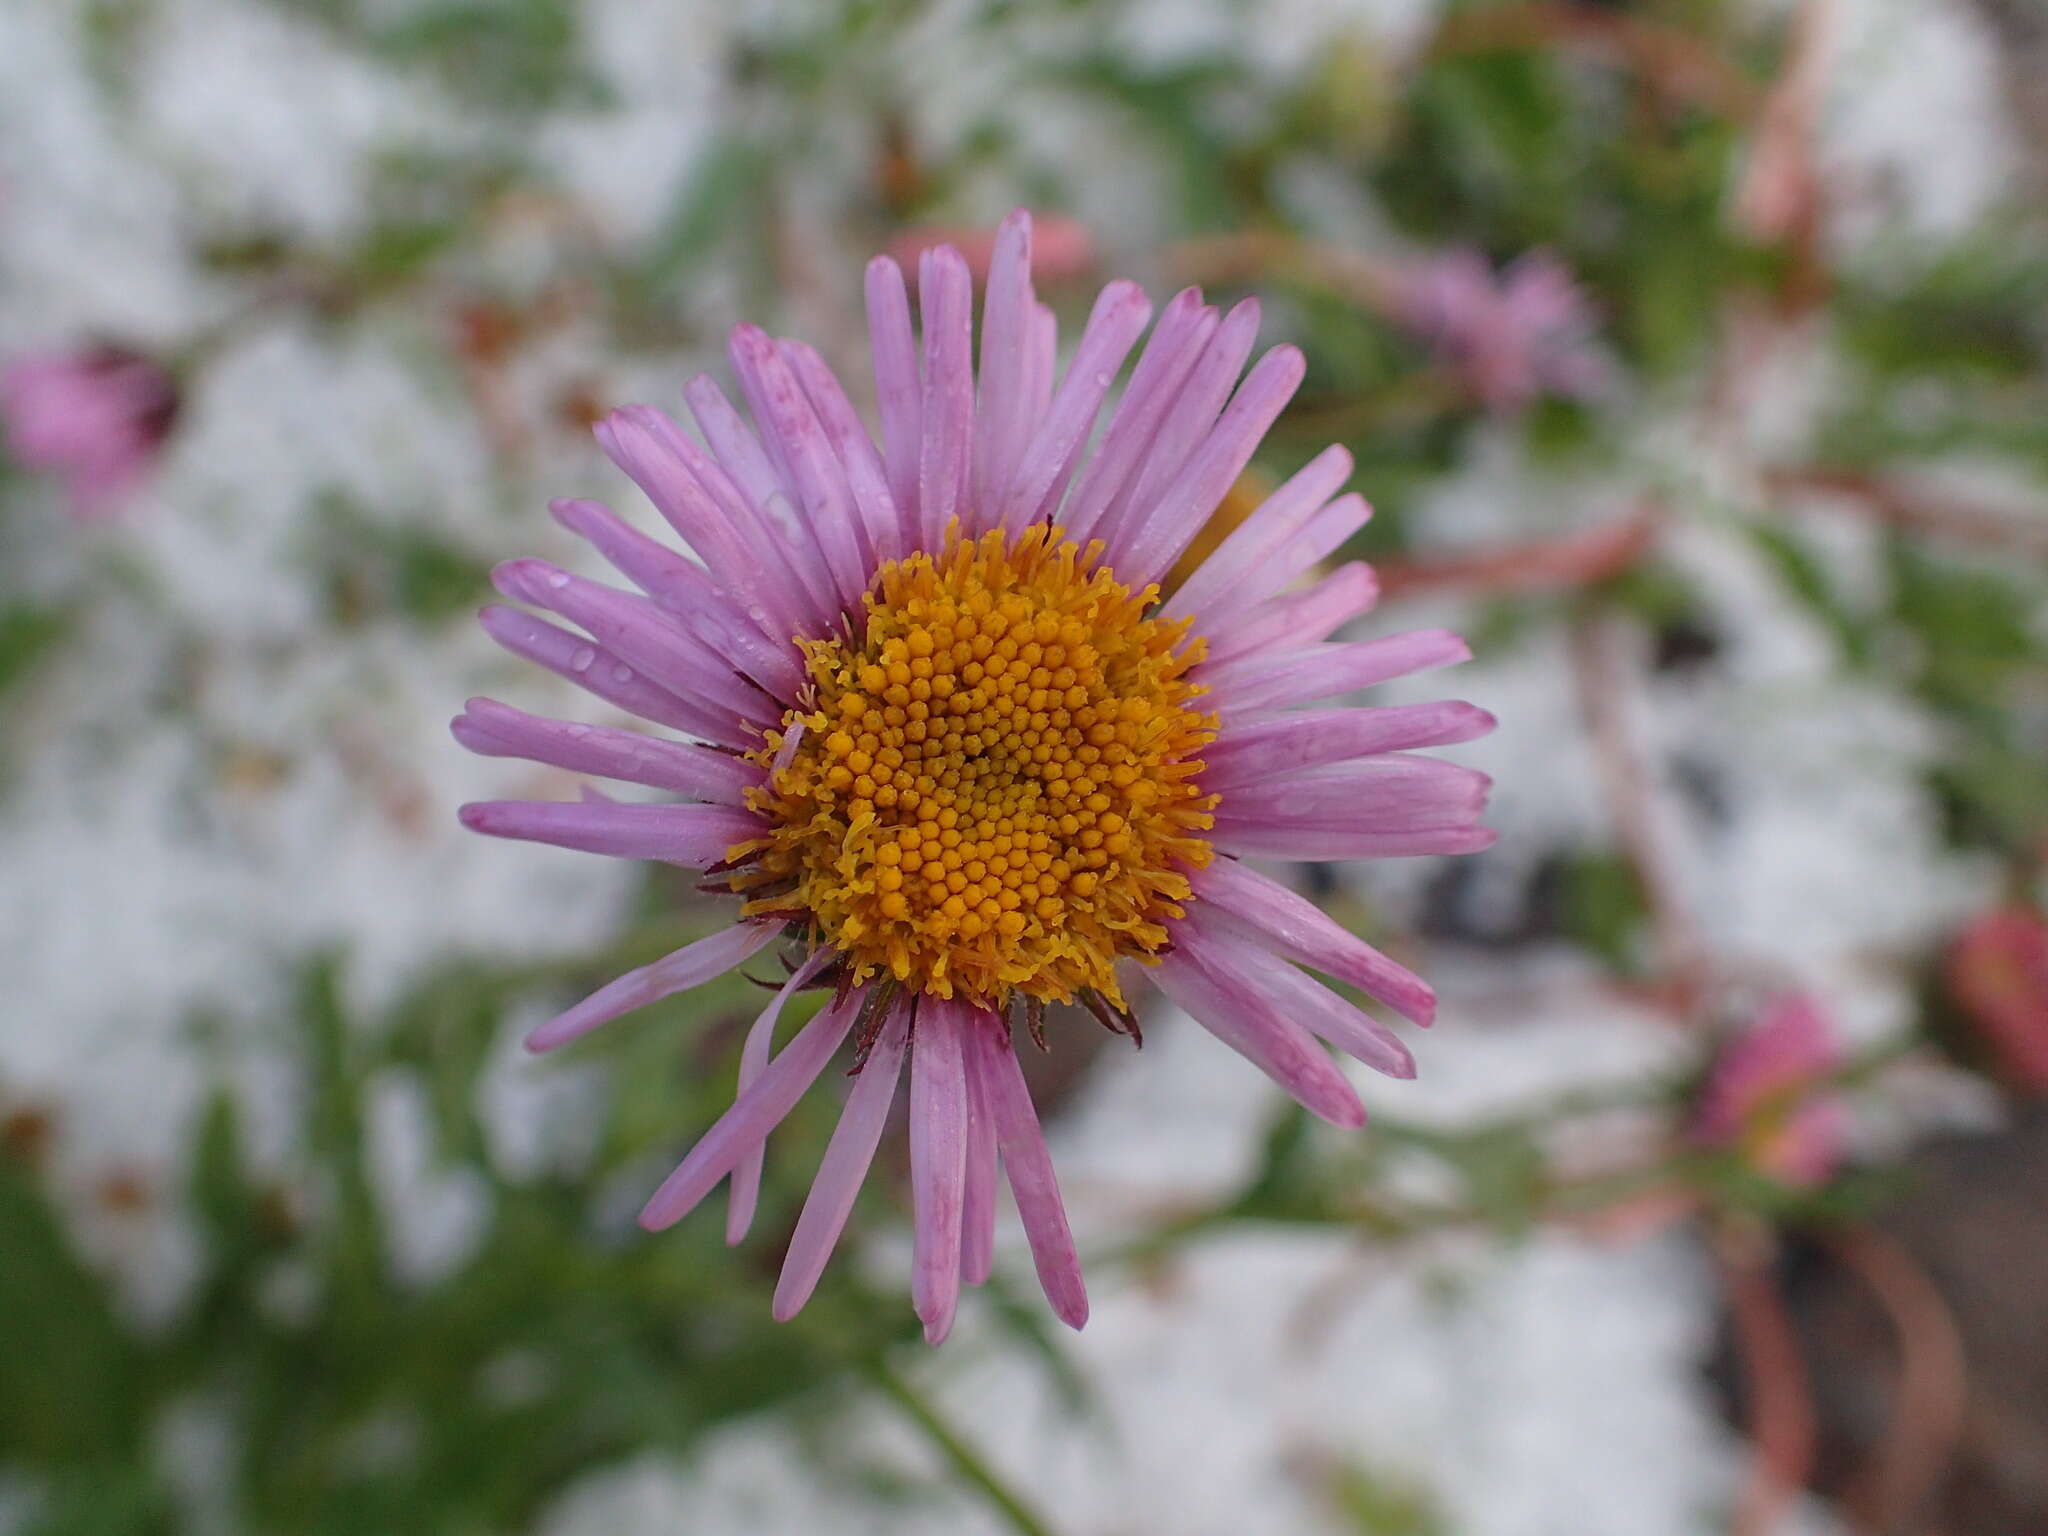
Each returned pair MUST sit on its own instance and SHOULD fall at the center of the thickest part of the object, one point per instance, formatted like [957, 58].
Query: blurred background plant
[1695, 356]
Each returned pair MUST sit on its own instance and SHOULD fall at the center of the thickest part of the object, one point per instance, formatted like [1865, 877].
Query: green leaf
[28, 634]
[1807, 580]
[72, 1389]
[1376, 1502]
[1602, 908]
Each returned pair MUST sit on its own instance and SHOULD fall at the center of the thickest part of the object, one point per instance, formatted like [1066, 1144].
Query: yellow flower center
[990, 790]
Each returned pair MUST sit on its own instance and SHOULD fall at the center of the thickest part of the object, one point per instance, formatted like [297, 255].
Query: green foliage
[373, 567]
[1374, 1502]
[503, 56]
[1601, 908]
[372, 1402]
[1806, 578]
[1514, 148]
[29, 632]
[1173, 107]
[1976, 312]
[1974, 642]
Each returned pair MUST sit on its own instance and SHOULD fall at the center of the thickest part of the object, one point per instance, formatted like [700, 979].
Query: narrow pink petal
[1280, 680]
[806, 453]
[793, 585]
[899, 387]
[696, 499]
[753, 1115]
[1009, 315]
[1196, 404]
[746, 1178]
[1146, 551]
[1389, 792]
[600, 672]
[1029, 1166]
[491, 729]
[690, 966]
[938, 1162]
[1219, 584]
[635, 629]
[1322, 536]
[1295, 620]
[1257, 1031]
[845, 1166]
[1301, 551]
[1234, 955]
[866, 476]
[1290, 743]
[694, 836]
[978, 1204]
[1304, 549]
[689, 592]
[1047, 462]
[747, 466]
[945, 300]
[1264, 840]
[662, 573]
[1044, 349]
[632, 440]
[1179, 338]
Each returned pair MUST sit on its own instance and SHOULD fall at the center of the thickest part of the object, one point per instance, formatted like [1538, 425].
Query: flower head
[1998, 971]
[1512, 336]
[953, 752]
[97, 418]
[1766, 1095]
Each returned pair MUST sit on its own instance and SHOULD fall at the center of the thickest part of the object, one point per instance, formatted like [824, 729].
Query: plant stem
[964, 1458]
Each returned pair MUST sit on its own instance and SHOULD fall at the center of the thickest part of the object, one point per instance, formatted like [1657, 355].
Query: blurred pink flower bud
[1766, 1096]
[1060, 247]
[96, 418]
[1524, 332]
[1998, 971]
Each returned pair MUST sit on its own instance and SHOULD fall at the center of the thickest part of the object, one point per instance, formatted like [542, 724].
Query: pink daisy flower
[1765, 1097]
[96, 418]
[944, 742]
[1513, 336]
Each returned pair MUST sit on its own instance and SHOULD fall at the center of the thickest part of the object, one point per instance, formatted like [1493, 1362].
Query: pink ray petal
[844, 1169]
[938, 1162]
[1029, 1166]
[690, 966]
[753, 1115]
[746, 1178]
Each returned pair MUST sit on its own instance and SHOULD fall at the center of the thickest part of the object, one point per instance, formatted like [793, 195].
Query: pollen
[989, 789]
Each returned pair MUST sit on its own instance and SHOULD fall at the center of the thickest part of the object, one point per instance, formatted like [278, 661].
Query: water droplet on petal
[580, 662]
[622, 673]
[558, 578]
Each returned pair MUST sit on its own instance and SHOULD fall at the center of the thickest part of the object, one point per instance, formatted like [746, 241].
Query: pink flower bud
[95, 418]
[1998, 972]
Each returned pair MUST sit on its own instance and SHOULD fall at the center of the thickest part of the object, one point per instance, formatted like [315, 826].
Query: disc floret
[989, 789]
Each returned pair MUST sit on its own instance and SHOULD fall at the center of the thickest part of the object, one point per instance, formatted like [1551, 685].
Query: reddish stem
[1933, 1390]
[1606, 697]
[1915, 510]
[1574, 561]
[1780, 1404]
